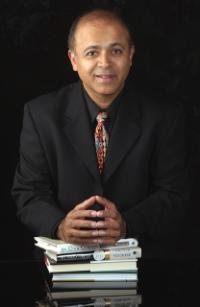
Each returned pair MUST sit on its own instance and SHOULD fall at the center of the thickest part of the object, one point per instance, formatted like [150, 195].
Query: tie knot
[102, 117]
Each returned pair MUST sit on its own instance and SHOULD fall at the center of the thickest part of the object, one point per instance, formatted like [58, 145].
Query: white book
[93, 293]
[98, 254]
[60, 247]
[117, 253]
[93, 266]
[90, 276]
[128, 242]
[114, 284]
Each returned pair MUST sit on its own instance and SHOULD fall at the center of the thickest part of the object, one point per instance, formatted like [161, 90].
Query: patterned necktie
[101, 139]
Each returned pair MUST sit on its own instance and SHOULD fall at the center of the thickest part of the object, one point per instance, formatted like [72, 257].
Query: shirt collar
[93, 109]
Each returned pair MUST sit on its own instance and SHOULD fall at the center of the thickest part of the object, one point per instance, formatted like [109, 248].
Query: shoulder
[47, 113]
[50, 107]
[159, 110]
[52, 101]
[150, 108]
[159, 107]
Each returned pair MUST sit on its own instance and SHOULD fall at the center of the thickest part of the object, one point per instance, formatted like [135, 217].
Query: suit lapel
[124, 135]
[78, 131]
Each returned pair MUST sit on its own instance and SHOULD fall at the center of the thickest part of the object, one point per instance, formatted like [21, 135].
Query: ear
[72, 58]
[132, 52]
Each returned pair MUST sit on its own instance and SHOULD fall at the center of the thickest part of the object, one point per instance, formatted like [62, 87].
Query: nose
[104, 59]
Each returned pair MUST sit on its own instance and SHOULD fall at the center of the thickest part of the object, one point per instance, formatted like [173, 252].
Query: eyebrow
[97, 47]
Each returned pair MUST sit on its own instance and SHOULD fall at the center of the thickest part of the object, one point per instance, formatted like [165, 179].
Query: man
[136, 173]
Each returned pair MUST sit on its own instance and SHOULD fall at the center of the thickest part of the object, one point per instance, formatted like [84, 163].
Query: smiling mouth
[105, 77]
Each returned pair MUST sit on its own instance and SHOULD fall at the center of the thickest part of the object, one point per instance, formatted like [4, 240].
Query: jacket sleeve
[33, 189]
[162, 212]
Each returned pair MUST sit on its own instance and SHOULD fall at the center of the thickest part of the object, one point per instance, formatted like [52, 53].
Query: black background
[33, 61]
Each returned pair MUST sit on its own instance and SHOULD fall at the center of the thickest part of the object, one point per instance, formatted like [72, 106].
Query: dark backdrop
[33, 61]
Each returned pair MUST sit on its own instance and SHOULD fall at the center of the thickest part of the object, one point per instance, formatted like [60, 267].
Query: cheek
[86, 67]
[123, 67]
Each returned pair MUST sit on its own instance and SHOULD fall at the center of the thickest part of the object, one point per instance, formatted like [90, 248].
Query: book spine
[117, 254]
[130, 242]
[78, 257]
[47, 247]
[119, 301]
[46, 261]
[97, 255]
[71, 248]
[64, 248]
[67, 249]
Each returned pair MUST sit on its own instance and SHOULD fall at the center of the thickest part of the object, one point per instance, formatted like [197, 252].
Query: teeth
[104, 76]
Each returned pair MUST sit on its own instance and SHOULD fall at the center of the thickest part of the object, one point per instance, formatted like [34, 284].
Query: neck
[103, 104]
[103, 101]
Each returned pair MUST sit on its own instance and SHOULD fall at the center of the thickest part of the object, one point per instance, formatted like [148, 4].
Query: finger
[108, 213]
[108, 224]
[84, 233]
[105, 202]
[79, 224]
[111, 223]
[82, 241]
[86, 203]
[82, 214]
[109, 233]
[107, 240]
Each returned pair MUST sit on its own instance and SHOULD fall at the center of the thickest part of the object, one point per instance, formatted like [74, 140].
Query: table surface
[160, 282]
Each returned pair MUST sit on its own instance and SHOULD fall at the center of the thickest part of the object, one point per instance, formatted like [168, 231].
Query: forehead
[100, 29]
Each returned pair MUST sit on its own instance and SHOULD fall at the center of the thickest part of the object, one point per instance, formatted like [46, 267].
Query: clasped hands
[77, 227]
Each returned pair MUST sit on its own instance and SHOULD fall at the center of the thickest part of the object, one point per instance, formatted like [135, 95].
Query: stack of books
[93, 298]
[92, 272]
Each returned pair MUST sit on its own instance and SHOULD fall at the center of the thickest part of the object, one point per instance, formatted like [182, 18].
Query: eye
[117, 51]
[91, 53]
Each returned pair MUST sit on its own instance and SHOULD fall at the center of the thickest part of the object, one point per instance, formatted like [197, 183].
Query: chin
[109, 90]
[107, 93]
[111, 93]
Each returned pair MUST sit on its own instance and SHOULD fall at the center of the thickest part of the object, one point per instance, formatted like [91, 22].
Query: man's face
[102, 57]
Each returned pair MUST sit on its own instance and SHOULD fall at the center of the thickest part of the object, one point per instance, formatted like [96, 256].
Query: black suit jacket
[144, 173]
